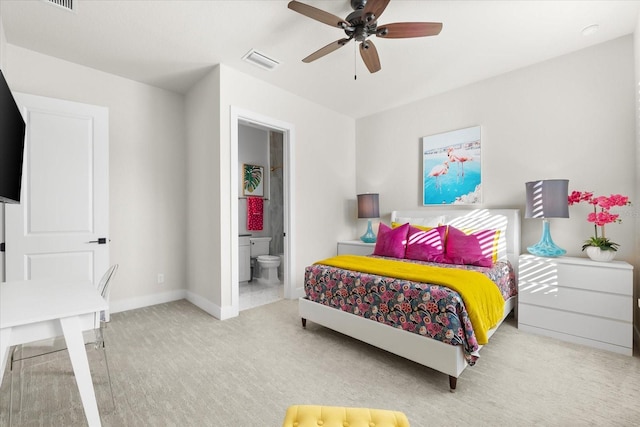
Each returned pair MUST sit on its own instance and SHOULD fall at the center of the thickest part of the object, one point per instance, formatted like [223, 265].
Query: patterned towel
[255, 213]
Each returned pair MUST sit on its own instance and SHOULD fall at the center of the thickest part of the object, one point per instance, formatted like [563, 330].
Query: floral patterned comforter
[430, 310]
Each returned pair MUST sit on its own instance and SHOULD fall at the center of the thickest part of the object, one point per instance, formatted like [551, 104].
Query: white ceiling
[172, 44]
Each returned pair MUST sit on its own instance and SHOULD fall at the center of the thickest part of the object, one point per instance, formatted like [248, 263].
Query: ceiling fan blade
[326, 50]
[403, 30]
[375, 7]
[317, 14]
[369, 55]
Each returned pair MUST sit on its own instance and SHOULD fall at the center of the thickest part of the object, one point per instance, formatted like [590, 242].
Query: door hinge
[2, 247]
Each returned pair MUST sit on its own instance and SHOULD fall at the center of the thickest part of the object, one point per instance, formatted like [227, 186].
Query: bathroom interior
[260, 222]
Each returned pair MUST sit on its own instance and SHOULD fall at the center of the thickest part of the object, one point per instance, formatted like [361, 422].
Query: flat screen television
[12, 128]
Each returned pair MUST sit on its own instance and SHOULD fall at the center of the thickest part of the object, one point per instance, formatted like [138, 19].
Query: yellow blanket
[481, 296]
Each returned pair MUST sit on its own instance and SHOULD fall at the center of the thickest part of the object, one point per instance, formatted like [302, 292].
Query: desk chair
[96, 338]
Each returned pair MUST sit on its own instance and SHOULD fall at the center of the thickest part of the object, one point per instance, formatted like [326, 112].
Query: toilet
[267, 264]
[281, 268]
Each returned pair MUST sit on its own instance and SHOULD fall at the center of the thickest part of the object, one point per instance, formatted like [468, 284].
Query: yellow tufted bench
[338, 416]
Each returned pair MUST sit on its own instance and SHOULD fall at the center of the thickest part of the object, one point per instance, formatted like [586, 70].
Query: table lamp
[547, 199]
[368, 208]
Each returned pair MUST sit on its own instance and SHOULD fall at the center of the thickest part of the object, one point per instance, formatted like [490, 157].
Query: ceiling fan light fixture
[361, 24]
[260, 60]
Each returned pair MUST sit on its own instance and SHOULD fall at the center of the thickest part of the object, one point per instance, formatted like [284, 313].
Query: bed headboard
[478, 218]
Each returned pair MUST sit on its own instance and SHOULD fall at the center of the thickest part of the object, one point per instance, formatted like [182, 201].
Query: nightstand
[577, 300]
[355, 247]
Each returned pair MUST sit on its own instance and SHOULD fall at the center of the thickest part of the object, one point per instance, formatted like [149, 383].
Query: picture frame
[253, 180]
[452, 168]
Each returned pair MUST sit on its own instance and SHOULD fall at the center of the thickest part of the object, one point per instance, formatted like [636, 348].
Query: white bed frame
[434, 354]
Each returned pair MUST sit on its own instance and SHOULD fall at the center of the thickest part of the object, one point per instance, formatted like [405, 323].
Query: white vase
[597, 254]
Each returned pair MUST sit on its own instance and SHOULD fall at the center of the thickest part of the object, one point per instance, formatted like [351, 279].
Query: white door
[60, 228]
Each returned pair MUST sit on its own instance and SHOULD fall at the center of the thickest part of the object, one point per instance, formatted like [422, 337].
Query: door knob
[100, 241]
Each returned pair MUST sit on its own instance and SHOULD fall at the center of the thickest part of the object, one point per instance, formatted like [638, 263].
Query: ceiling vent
[64, 4]
[261, 60]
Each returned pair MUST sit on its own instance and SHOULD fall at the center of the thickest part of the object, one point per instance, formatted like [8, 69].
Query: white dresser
[577, 300]
[355, 247]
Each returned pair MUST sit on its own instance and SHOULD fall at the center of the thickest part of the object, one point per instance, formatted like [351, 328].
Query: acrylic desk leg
[5, 335]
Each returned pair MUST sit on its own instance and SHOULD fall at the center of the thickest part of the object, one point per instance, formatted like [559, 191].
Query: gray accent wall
[276, 193]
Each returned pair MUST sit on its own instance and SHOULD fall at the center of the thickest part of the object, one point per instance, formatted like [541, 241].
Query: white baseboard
[139, 302]
[211, 308]
[161, 298]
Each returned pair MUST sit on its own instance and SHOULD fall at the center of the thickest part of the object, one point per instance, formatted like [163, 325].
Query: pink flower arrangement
[600, 217]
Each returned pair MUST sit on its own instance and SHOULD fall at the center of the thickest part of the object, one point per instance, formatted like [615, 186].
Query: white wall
[3, 48]
[203, 188]
[324, 158]
[636, 51]
[324, 177]
[571, 117]
[147, 170]
[3, 42]
[253, 149]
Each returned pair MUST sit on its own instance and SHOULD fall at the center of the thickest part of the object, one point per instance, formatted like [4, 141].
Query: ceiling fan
[362, 23]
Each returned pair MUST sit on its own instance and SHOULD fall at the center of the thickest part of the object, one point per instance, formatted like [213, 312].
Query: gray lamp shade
[547, 199]
[368, 206]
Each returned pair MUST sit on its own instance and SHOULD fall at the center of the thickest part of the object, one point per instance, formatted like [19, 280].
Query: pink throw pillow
[473, 249]
[391, 242]
[426, 245]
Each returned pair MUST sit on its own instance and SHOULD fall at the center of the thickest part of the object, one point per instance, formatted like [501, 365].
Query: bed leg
[453, 381]
[304, 322]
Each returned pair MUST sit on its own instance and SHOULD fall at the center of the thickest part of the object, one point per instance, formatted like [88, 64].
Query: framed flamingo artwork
[451, 172]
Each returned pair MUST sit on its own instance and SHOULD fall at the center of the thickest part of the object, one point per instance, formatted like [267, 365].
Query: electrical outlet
[160, 278]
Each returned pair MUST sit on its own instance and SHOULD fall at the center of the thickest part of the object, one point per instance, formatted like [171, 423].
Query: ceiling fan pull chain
[355, 66]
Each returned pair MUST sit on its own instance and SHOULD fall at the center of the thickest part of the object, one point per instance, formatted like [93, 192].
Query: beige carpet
[174, 365]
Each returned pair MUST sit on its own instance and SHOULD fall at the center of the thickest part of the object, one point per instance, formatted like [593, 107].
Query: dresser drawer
[577, 300]
[579, 325]
[612, 277]
[611, 306]
[611, 280]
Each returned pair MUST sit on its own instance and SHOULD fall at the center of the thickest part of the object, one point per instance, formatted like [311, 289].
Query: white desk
[34, 310]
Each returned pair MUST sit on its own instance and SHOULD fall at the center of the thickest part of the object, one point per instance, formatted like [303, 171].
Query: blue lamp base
[545, 247]
[368, 237]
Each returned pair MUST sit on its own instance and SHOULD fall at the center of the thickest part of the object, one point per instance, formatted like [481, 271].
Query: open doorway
[275, 159]
[260, 216]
